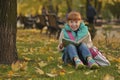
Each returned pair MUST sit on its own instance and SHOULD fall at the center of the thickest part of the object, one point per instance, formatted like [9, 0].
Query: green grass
[37, 47]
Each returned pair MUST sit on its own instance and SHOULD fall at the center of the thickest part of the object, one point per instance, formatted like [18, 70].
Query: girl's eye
[76, 21]
[71, 21]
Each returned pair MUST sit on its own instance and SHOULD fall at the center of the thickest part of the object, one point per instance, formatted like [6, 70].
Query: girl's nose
[74, 23]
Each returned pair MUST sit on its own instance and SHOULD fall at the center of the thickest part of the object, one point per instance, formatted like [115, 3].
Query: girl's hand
[61, 46]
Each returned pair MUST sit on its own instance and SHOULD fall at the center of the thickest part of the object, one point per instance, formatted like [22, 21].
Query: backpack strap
[70, 35]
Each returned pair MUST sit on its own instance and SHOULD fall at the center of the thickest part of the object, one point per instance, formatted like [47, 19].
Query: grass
[35, 47]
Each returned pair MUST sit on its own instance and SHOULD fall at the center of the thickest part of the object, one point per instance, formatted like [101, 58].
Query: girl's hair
[74, 16]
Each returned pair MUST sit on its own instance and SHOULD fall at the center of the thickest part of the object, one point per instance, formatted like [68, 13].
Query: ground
[40, 60]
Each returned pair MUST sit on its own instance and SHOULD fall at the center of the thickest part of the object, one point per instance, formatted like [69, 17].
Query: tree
[8, 29]
[69, 5]
[114, 9]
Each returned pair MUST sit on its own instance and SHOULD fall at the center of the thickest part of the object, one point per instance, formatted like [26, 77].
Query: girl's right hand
[61, 46]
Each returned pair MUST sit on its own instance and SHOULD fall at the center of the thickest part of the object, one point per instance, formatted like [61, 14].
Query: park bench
[26, 21]
[53, 25]
[41, 22]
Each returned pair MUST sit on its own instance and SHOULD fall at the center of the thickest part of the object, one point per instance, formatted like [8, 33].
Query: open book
[68, 41]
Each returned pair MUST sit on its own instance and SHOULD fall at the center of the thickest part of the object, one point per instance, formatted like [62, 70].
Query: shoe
[92, 64]
[79, 64]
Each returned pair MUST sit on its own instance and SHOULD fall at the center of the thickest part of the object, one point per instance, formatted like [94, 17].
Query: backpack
[98, 57]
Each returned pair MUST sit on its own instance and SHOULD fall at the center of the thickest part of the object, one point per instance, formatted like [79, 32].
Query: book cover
[68, 41]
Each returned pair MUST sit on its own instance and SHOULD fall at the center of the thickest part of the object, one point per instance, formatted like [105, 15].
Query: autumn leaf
[70, 72]
[62, 72]
[108, 77]
[25, 50]
[88, 72]
[26, 58]
[52, 40]
[50, 59]
[42, 64]
[60, 66]
[59, 59]
[117, 60]
[23, 66]
[69, 65]
[53, 71]
[10, 73]
[111, 58]
[41, 72]
[15, 66]
[31, 50]
[51, 75]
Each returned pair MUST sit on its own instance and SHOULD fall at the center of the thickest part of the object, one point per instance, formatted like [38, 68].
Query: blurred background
[106, 9]
[52, 13]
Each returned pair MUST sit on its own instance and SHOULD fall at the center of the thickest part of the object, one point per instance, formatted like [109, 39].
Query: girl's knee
[71, 46]
[83, 45]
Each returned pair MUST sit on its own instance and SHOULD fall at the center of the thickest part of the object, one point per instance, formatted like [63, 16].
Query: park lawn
[43, 61]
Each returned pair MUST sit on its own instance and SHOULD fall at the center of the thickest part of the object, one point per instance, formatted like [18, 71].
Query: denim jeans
[72, 51]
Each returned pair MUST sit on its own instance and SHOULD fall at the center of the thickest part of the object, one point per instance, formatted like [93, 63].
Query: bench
[53, 26]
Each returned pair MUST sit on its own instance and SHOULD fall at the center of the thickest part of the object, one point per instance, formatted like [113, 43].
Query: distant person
[75, 30]
[91, 13]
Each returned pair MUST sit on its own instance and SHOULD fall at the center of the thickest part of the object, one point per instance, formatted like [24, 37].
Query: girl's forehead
[74, 21]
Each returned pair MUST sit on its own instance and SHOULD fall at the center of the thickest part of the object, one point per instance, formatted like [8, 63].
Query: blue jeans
[72, 51]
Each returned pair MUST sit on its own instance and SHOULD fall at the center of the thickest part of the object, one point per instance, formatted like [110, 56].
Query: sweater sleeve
[60, 41]
[87, 40]
[82, 32]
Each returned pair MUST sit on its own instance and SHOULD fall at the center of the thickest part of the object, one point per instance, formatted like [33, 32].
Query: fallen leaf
[70, 72]
[16, 75]
[15, 66]
[10, 73]
[112, 58]
[42, 64]
[117, 60]
[108, 77]
[69, 65]
[41, 72]
[88, 72]
[52, 40]
[62, 72]
[31, 50]
[53, 71]
[50, 59]
[60, 66]
[51, 75]
[23, 66]
[26, 58]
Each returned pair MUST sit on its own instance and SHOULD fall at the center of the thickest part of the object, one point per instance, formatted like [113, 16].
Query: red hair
[74, 16]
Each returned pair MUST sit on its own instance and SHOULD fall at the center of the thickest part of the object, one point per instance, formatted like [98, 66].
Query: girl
[79, 54]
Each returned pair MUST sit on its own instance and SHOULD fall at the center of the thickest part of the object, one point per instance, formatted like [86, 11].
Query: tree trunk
[95, 3]
[99, 7]
[69, 5]
[8, 29]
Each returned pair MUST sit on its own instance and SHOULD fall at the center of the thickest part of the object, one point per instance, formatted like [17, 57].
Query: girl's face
[74, 24]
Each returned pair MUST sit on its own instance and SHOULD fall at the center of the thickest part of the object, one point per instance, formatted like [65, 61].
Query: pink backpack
[98, 57]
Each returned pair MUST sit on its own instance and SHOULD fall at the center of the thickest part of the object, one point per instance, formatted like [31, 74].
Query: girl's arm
[60, 45]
